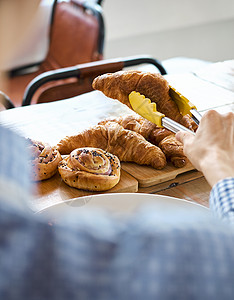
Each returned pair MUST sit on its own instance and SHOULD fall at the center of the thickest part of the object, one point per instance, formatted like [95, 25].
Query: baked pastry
[44, 160]
[90, 169]
[133, 122]
[158, 136]
[154, 86]
[173, 150]
[171, 147]
[112, 137]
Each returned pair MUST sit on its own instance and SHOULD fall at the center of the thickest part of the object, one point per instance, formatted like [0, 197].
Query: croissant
[135, 123]
[173, 150]
[112, 137]
[90, 169]
[154, 86]
[44, 160]
[161, 137]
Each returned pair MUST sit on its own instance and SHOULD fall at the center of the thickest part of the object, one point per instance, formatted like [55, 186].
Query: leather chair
[72, 81]
[5, 101]
[82, 76]
[69, 71]
[76, 37]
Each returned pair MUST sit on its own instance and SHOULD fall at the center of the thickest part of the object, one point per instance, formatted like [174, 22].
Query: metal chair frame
[91, 70]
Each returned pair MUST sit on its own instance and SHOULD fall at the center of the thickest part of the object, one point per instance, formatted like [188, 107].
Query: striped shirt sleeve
[222, 199]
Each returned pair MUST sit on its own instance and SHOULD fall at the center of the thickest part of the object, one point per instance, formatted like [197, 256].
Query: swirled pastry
[112, 137]
[44, 160]
[154, 86]
[90, 169]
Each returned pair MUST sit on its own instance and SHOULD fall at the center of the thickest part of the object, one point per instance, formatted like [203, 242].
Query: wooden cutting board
[54, 190]
[148, 176]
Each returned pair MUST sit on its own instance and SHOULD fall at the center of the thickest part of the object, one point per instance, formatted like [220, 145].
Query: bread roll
[91, 169]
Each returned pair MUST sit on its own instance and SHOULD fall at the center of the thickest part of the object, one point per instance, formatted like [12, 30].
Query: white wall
[166, 28]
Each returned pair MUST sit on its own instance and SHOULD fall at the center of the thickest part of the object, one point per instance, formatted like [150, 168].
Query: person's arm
[211, 151]
[222, 199]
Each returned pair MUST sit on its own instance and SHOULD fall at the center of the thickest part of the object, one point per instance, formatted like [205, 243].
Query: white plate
[125, 204]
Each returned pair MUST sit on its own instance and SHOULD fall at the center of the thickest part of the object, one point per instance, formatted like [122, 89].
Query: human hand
[211, 149]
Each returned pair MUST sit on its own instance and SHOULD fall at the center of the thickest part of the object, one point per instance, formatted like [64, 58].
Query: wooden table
[212, 87]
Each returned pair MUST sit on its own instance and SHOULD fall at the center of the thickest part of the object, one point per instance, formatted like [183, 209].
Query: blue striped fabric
[15, 185]
[13, 158]
[222, 199]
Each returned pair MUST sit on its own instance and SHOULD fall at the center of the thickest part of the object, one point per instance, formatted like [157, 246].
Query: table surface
[209, 88]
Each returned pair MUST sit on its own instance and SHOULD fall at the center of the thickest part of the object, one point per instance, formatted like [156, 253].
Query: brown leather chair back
[76, 37]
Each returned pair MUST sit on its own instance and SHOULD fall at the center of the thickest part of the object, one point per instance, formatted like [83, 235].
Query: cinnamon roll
[44, 160]
[90, 169]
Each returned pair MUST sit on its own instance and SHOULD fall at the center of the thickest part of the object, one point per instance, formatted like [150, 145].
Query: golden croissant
[90, 169]
[154, 86]
[112, 137]
[158, 136]
[44, 160]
